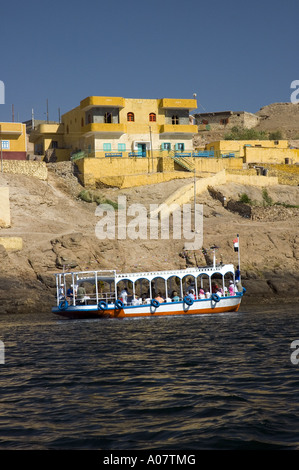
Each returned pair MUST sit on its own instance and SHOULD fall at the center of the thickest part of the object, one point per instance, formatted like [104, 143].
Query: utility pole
[150, 129]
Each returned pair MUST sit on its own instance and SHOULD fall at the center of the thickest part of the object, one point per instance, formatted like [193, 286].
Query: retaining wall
[4, 207]
[26, 167]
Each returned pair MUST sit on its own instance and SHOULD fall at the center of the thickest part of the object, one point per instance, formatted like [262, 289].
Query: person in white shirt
[124, 296]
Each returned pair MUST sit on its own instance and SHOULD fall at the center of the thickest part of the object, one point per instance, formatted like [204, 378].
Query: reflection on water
[200, 382]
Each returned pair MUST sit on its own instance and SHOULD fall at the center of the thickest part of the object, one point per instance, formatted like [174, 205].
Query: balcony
[115, 129]
[172, 129]
[167, 103]
[15, 128]
[102, 101]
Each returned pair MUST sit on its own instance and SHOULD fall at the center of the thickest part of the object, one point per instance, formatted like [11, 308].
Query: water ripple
[209, 382]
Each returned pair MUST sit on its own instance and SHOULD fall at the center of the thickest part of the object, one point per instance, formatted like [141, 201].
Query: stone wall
[4, 207]
[29, 168]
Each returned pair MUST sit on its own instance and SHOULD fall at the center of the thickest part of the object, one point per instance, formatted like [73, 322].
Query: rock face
[58, 232]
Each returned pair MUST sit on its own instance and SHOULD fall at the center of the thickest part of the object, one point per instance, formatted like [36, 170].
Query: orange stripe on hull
[122, 314]
[135, 313]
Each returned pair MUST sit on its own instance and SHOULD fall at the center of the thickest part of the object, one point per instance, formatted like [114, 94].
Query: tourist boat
[109, 294]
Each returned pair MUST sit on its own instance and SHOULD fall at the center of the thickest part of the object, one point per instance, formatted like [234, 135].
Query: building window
[224, 121]
[121, 147]
[106, 147]
[175, 119]
[54, 144]
[130, 117]
[180, 147]
[152, 117]
[89, 119]
[108, 118]
[82, 122]
[166, 146]
[5, 144]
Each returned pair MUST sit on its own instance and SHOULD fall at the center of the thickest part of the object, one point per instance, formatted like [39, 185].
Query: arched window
[175, 119]
[152, 117]
[108, 118]
[130, 117]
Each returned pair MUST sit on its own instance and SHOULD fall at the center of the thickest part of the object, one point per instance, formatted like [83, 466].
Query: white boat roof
[112, 275]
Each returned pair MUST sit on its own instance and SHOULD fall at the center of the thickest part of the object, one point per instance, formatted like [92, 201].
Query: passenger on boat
[191, 294]
[201, 294]
[208, 294]
[159, 298]
[220, 292]
[135, 301]
[81, 294]
[231, 288]
[214, 288]
[238, 279]
[70, 293]
[61, 292]
[124, 296]
[175, 297]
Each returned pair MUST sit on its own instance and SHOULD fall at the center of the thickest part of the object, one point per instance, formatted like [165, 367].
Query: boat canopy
[151, 281]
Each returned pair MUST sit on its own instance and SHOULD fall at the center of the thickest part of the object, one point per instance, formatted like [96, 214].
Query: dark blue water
[205, 382]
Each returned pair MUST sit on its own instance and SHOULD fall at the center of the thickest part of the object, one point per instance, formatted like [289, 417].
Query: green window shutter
[166, 146]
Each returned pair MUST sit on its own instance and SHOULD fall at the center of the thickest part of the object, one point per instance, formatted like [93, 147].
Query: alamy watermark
[136, 222]
[295, 94]
[2, 92]
[295, 354]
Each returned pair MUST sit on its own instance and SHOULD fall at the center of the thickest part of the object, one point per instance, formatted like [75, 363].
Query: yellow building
[49, 136]
[119, 127]
[113, 126]
[13, 144]
[256, 151]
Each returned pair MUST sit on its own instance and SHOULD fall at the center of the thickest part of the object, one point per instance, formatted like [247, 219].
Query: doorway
[141, 150]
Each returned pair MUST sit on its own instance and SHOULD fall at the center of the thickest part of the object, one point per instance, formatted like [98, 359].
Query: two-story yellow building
[119, 127]
[13, 144]
[104, 126]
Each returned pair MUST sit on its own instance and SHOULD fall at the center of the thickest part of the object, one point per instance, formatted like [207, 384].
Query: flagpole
[239, 251]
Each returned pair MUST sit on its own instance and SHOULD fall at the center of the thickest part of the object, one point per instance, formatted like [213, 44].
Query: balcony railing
[178, 129]
[177, 154]
[104, 128]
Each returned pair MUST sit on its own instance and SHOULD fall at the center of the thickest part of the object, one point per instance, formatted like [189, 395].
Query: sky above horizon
[234, 55]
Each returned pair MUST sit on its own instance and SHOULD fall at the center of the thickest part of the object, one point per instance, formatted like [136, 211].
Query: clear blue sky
[234, 55]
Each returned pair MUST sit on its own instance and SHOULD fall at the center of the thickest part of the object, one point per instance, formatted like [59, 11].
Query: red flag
[236, 244]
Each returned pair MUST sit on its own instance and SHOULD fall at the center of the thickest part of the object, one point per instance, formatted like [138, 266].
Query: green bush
[238, 133]
[245, 199]
[94, 196]
[276, 135]
[268, 201]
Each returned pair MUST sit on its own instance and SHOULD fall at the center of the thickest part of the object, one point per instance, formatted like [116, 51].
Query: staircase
[183, 159]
